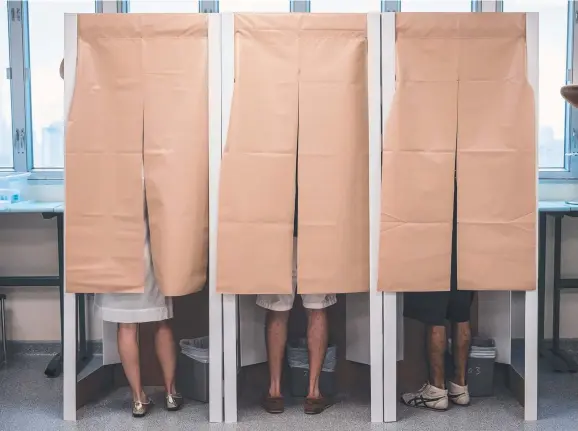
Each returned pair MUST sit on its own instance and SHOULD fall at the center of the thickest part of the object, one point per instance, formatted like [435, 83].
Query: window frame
[570, 169]
[21, 86]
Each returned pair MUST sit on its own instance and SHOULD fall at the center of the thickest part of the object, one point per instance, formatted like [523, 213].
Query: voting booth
[307, 113]
[107, 94]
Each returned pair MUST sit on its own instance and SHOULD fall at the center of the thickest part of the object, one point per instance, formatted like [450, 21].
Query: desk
[50, 210]
[558, 359]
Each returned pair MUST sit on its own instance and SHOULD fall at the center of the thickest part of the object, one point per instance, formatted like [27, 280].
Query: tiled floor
[29, 401]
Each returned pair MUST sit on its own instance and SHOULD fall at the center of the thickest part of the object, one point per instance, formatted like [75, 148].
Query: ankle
[439, 385]
[275, 391]
[459, 381]
[140, 397]
[314, 393]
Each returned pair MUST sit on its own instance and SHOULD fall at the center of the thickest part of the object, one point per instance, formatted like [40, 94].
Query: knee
[128, 329]
[278, 317]
[163, 325]
[316, 313]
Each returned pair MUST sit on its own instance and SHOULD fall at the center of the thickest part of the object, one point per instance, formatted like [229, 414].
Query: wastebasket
[193, 369]
[298, 359]
[481, 362]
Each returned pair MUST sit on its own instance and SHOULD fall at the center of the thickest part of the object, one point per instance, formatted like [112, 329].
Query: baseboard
[16, 348]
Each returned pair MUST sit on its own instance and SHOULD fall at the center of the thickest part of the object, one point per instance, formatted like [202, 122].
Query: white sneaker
[458, 395]
[428, 397]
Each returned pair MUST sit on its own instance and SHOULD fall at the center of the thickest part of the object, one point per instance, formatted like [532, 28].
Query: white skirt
[150, 306]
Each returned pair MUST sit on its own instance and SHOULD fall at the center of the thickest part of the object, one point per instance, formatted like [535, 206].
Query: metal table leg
[560, 361]
[54, 368]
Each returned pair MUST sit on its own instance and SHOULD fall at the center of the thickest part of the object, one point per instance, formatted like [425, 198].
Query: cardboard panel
[454, 109]
[105, 229]
[176, 143]
[496, 158]
[333, 155]
[257, 188]
[139, 110]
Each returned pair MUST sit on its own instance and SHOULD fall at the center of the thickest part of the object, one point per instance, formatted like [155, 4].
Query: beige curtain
[299, 105]
[139, 109]
[462, 101]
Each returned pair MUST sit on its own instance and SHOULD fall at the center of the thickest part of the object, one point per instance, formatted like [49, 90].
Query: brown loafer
[314, 406]
[273, 405]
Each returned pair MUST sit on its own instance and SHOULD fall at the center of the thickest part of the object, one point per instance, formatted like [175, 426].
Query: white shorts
[285, 302]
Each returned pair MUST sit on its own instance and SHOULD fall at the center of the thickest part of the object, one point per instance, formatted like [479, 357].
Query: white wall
[28, 246]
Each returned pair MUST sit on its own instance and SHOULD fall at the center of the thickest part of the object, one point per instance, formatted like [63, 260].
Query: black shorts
[434, 308]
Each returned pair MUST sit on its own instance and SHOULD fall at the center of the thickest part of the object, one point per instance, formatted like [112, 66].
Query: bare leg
[276, 340]
[436, 348]
[317, 335]
[166, 353]
[129, 356]
[461, 346]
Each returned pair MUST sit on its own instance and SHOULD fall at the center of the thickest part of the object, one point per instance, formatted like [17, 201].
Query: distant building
[51, 146]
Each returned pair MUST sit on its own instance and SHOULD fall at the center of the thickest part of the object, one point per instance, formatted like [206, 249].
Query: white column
[531, 317]
[70, 321]
[390, 299]
[230, 321]
[215, 151]
[375, 297]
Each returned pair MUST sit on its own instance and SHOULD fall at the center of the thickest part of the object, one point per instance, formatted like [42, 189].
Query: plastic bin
[298, 359]
[481, 363]
[12, 186]
[193, 369]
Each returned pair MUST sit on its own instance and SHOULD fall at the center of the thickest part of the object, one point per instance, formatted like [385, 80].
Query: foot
[140, 409]
[273, 405]
[173, 402]
[428, 397]
[458, 395]
[314, 406]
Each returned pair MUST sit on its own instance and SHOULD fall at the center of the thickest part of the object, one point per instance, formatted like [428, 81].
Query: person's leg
[459, 315]
[129, 357]
[317, 339]
[276, 341]
[430, 309]
[436, 350]
[317, 336]
[166, 354]
[461, 335]
[278, 308]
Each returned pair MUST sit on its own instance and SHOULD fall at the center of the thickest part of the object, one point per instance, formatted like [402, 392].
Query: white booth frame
[497, 309]
[233, 316]
[215, 300]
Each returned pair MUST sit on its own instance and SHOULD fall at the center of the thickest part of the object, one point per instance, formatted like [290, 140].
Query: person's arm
[62, 69]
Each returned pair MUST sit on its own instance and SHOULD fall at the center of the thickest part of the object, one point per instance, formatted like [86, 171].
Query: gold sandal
[173, 402]
[140, 409]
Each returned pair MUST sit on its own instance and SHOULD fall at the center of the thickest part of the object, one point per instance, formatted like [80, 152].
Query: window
[553, 50]
[46, 42]
[436, 5]
[163, 6]
[6, 146]
[345, 6]
[254, 6]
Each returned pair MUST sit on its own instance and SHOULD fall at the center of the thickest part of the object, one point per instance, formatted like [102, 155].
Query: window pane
[436, 5]
[46, 30]
[345, 6]
[254, 6]
[552, 47]
[164, 6]
[6, 160]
